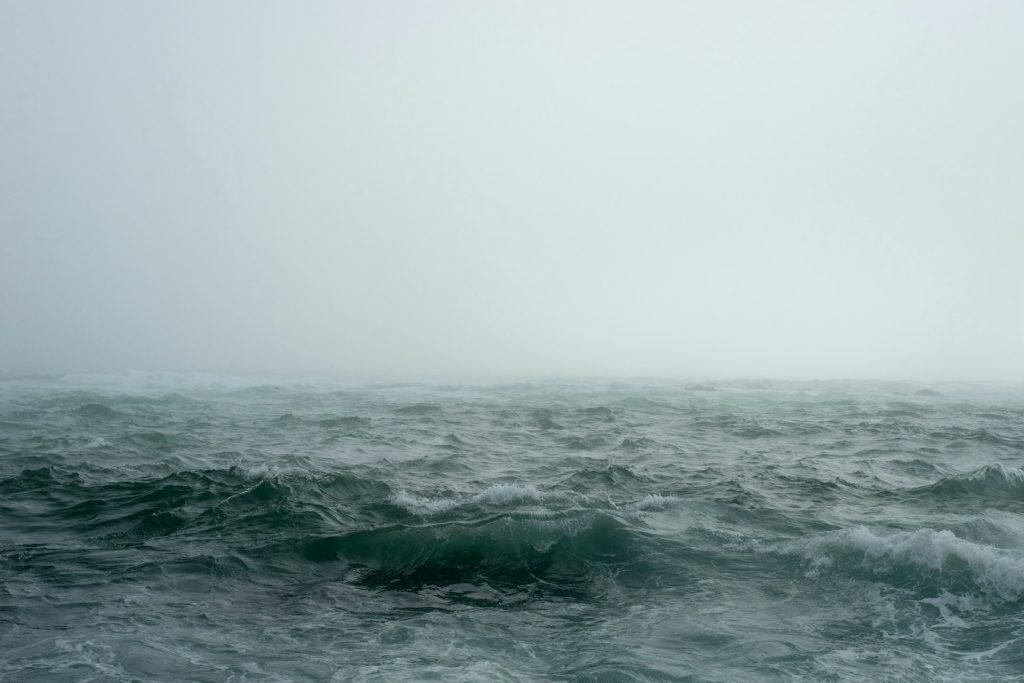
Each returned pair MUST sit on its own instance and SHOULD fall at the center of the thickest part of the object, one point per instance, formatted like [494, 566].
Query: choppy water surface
[171, 528]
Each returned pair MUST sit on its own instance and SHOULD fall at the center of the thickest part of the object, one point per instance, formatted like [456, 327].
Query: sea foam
[498, 494]
[993, 570]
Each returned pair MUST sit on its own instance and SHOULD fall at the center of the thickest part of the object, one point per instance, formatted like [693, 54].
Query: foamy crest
[498, 494]
[992, 481]
[423, 506]
[265, 472]
[261, 471]
[654, 501]
[997, 471]
[994, 570]
[502, 494]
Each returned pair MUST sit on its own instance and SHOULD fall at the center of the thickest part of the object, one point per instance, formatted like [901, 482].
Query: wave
[547, 423]
[756, 432]
[638, 444]
[499, 550]
[643, 403]
[529, 500]
[340, 422]
[97, 411]
[418, 409]
[655, 501]
[497, 495]
[28, 480]
[963, 435]
[608, 477]
[597, 413]
[582, 443]
[991, 481]
[157, 440]
[924, 560]
[270, 471]
[266, 495]
[508, 534]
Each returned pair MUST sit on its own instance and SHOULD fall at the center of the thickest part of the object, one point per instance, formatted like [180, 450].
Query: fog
[692, 189]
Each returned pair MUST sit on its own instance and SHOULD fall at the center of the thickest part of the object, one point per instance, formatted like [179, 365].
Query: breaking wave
[995, 480]
[925, 560]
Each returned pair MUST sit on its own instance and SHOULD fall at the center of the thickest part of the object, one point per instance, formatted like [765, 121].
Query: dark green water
[167, 528]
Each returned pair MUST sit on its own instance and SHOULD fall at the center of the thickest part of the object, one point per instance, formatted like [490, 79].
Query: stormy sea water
[171, 528]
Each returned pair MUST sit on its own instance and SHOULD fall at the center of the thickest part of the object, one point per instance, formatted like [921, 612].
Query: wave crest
[995, 480]
[924, 560]
[498, 495]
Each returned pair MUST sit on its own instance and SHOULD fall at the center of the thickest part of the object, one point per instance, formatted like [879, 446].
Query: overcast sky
[695, 189]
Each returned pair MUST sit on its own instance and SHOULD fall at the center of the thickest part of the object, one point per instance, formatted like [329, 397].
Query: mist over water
[786, 189]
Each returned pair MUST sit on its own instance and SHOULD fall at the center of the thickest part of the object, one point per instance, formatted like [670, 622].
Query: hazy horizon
[790, 190]
[162, 381]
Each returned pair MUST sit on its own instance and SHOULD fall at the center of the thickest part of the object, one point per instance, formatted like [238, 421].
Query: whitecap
[423, 506]
[654, 501]
[498, 494]
[994, 570]
[502, 494]
[267, 472]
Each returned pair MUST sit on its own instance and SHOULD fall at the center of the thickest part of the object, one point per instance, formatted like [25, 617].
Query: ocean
[160, 527]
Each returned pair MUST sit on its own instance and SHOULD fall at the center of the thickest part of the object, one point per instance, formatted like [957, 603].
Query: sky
[680, 189]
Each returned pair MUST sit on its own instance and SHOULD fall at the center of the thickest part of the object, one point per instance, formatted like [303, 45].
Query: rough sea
[216, 528]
